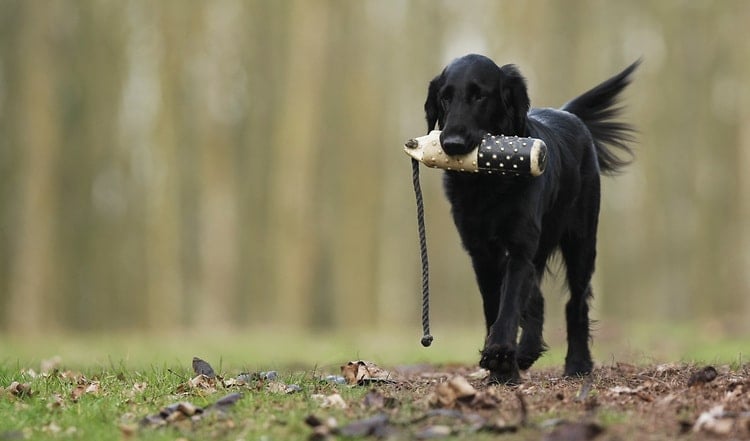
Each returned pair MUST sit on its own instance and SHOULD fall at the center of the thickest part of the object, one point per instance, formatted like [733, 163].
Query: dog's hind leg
[579, 252]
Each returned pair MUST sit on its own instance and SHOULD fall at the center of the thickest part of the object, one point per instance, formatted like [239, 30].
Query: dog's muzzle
[503, 155]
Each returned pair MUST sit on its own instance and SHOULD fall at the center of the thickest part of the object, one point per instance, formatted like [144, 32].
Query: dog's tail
[596, 108]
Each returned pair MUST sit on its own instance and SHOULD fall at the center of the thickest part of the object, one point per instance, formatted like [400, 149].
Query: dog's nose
[454, 144]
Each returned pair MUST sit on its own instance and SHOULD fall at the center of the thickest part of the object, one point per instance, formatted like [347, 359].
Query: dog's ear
[515, 98]
[432, 107]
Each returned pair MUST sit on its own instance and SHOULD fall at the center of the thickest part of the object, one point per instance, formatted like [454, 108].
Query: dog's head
[473, 96]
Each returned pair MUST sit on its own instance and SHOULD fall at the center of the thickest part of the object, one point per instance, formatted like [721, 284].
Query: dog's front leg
[499, 353]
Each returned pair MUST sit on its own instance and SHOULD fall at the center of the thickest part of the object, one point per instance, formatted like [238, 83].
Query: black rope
[426, 338]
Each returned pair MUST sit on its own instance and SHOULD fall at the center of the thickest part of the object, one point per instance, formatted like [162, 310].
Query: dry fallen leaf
[455, 389]
[332, 401]
[84, 388]
[277, 387]
[200, 382]
[203, 382]
[183, 410]
[72, 376]
[139, 387]
[361, 372]
[56, 402]
[76, 393]
[233, 382]
[31, 373]
[479, 374]
[92, 388]
[714, 421]
[19, 389]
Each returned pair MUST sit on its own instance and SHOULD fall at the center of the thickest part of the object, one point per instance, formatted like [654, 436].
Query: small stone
[270, 375]
[201, 367]
[292, 388]
[335, 379]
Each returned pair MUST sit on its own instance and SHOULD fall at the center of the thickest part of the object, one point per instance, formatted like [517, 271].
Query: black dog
[511, 225]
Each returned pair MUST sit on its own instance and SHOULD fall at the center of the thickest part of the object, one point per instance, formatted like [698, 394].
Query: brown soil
[618, 402]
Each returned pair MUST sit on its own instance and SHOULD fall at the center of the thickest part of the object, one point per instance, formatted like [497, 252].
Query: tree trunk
[33, 277]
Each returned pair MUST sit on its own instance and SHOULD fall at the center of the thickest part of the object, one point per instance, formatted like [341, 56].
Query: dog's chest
[483, 207]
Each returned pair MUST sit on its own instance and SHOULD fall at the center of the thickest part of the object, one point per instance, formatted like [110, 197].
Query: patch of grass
[249, 349]
[111, 402]
[121, 398]
[137, 375]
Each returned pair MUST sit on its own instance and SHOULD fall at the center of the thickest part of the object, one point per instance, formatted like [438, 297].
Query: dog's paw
[525, 362]
[501, 362]
[527, 356]
[513, 379]
[578, 368]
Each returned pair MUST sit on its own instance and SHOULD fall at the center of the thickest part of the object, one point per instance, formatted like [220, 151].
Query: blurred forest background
[227, 164]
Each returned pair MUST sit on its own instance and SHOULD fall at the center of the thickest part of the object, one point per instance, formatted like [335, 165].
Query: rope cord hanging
[502, 155]
[426, 337]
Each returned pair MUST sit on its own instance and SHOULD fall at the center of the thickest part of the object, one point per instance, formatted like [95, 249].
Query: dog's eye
[478, 96]
[446, 95]
[475, 93]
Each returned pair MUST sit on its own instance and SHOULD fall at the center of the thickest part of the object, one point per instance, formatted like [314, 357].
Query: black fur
[510, 226]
